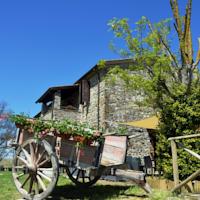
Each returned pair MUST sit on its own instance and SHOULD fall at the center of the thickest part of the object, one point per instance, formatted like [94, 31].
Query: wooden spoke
[44, 176]
[37, 148]
[43, 162]
[31, 185]
[45, 169]
[40, 157]
[32, 152]
[27, 155]
[78, 174]
[23, 160]
[83, 176]
[35, 173]
[25, 181]
[36, 186]
[19, 167]
[74, 171]
[41, 183]
[20, 175]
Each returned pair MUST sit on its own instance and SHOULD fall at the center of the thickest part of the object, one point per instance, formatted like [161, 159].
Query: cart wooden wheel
[35, 169]
[83, 177]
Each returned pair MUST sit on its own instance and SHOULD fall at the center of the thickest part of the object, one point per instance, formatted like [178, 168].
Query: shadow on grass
[96, 192]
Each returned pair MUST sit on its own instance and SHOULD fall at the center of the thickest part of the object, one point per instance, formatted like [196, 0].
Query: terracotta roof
[48, 95]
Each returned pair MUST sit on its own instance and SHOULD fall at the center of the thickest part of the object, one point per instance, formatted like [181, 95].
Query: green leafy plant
[81, 133]
[21, 121]
[166, 78]
[162, 195]
[121, 130]
[41, 127]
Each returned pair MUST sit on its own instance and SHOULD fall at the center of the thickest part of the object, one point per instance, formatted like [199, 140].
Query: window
[69, 98]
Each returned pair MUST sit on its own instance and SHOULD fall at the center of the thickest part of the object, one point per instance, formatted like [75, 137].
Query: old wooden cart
[37, 161]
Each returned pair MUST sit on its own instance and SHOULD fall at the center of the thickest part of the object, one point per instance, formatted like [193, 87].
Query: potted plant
[41, 127]
[22, 122]
[63, 129]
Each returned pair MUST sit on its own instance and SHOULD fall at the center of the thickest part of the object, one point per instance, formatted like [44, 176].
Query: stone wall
[117, 104]
[121, 107]
[60, 114]
[47, 115]
[94, 113]
[139, 145]
[109, 105]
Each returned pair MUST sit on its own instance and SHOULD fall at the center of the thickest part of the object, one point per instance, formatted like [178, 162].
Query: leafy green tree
[167, 78]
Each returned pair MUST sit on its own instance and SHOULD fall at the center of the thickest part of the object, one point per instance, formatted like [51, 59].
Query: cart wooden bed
[37, 161]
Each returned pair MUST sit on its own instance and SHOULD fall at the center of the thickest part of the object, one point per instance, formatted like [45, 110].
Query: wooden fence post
[175, 163]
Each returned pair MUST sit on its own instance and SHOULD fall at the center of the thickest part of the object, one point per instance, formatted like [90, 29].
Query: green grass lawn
[66, 190]
[7, 188]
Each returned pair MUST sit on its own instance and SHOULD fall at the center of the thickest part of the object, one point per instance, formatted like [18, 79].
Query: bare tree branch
[179, 26]
[198, 56]
[174, 6]
[165, 46]
[187, 34]
[168, 51]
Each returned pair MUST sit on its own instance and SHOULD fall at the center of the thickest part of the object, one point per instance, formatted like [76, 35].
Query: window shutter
[84, 92]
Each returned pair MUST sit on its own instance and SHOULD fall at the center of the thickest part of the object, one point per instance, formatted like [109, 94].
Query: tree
[7, 130]
[168, 79]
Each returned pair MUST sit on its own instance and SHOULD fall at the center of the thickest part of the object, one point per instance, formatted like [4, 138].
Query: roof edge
[108, 62]
[54, 89]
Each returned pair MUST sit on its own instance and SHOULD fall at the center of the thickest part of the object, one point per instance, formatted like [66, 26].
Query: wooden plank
[21, 137]
[190, 178]
[114, 151]
[192, 153]
[87, 155]
[51, 140]
[184, 137]
[82, 156]
[118, 141]
[174, 162]
[131, 174]
[67, 149]
[24, 135]
[85, 91]
[136, 177]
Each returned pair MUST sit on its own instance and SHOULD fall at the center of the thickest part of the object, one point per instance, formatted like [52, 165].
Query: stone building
[93, 100]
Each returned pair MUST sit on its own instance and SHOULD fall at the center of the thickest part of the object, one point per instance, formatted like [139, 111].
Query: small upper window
[69, 99]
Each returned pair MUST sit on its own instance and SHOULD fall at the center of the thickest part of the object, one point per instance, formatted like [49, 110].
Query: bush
[180, 117]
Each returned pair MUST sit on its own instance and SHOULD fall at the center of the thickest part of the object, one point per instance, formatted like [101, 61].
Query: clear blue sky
[46, 43]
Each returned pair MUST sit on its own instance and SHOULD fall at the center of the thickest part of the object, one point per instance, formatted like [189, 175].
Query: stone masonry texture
[110, 104]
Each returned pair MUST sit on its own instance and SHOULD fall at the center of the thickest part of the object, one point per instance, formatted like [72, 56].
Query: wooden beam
[174, 162]
[134, 176]
[184, 137]
[196, 155]
[190, 178]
